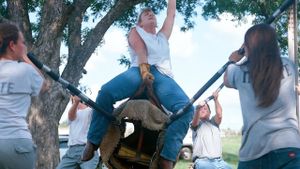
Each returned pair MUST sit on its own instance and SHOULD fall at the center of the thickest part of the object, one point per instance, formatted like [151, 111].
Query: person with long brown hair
[19, 80]
[266, 85]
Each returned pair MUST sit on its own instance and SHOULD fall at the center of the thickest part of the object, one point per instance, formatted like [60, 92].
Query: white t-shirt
[79, 127]
[207, 140]
[18, 82]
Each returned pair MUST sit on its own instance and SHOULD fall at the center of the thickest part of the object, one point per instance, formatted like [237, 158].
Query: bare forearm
[142, 55]
[72, 111]
[196, 119]
[218, 107]
[169, 21]
[171, 8]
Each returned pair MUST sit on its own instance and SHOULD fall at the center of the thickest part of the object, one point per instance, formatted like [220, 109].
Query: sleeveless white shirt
[158, 51]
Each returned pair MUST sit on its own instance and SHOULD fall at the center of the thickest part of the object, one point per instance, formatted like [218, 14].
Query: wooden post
[293, 45]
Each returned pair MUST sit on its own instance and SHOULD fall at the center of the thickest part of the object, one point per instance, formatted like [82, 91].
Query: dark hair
[198, 107]
[143, 11]
[8, 32]
[265, 65]
[208, 108]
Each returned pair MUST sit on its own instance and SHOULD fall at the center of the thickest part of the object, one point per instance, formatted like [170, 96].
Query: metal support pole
[293, 45]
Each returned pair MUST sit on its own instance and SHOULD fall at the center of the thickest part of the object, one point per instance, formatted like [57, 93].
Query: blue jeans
[207, 163]
[285, 158]
[168, 92]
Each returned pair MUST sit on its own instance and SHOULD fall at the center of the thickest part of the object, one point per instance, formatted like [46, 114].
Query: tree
[60, 21]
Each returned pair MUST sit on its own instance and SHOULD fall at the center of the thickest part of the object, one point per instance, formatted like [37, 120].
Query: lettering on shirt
[246, 77]
[6, 87]
[286, 71]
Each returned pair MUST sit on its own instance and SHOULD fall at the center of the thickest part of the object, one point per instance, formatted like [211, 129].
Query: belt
[206, 158]
[77, 145]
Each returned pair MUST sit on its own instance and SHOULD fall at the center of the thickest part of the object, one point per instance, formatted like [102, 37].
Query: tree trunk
[43, 120]
[48, 107]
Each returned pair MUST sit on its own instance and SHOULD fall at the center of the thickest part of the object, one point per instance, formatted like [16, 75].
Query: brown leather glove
[145, 72]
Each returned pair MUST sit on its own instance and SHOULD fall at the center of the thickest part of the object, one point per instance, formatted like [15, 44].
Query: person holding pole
[266, 85]
[79, 118]
[19, 81]
[150, 63]
[207, 146]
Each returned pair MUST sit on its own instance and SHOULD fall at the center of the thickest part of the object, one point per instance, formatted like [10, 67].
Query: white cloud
[181, 43]
[115, 45]
[226, 25]
[115, 41]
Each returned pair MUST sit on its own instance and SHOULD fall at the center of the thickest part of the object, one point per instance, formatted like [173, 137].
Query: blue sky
[196, 56]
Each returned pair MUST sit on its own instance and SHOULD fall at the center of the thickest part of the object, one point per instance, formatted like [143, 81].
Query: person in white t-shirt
[207, 146]
[19, 80]
[79, 118]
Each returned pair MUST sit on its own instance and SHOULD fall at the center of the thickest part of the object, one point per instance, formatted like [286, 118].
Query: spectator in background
[79, 118]
[207, 147]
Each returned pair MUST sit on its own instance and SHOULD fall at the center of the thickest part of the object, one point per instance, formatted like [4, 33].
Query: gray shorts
[17, 154]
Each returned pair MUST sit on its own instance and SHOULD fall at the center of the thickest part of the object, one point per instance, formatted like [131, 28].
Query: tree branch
[74, 26]
[50, 34]
[18, 13]
[82, 54]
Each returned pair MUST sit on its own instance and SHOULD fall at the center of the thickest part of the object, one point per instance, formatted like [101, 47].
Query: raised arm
[73, 109]
[218, 108]
[235, 57]
[196, 119]
[169, 21]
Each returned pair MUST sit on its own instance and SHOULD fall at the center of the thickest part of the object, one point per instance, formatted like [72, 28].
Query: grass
[230, 147]
[183, 164]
